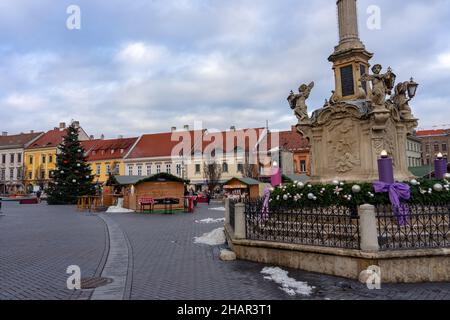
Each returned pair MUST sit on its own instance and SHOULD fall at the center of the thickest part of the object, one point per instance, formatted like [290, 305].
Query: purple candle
[275, 175]
[440, 167]
[386, 168]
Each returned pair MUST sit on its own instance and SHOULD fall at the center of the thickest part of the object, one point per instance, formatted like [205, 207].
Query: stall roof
[247, 181]
[127, 180]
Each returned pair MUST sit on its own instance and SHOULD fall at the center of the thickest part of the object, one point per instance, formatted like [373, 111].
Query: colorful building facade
[106, 156]
[40, 157]
[11, 160]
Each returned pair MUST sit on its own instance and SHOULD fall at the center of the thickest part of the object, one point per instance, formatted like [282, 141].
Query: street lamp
[412, 88]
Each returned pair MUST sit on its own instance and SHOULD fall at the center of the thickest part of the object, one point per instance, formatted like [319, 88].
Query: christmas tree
[72, 177]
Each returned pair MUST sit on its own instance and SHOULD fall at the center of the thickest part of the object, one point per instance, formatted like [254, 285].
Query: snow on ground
[210, 220]
[118, 209]
[287, 284]
[218, 209]
[213, 238]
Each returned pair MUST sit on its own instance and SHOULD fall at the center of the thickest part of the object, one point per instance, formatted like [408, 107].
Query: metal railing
[335, 226]
[427, 226]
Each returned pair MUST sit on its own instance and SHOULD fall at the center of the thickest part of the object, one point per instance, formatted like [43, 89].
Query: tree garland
[425, 192]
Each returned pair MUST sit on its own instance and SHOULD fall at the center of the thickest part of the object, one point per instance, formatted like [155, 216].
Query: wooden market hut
[242, 187]
[161, 188]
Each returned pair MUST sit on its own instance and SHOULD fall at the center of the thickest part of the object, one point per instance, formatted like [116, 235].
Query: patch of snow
[210, 220]
[118, 209]
[287, 284]
[213, 238]
[218, 209]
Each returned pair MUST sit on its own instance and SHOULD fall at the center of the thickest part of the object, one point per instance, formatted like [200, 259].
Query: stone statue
[401, 100]
[334, 97]
[382, 84]
[298, 102]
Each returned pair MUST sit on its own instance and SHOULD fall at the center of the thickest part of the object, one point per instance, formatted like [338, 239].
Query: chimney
[186, 127]
[31, 131]
[102, 137]
[62, 126]
[91, 137]
[120, 136]
[76, 124]
[173, 129]
[4, 133]
[233, 128]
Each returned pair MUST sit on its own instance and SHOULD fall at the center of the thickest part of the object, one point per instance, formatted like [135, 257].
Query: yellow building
[106, 156]
[40, 157]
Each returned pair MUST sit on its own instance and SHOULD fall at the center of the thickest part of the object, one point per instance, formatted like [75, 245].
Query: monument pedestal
[347, 139]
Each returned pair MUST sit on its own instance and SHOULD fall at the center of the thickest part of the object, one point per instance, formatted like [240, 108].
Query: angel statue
[401, 100]
[382, 84]
[298, 102]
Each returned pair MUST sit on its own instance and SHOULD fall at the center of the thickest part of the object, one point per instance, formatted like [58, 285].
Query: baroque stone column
[348, 21]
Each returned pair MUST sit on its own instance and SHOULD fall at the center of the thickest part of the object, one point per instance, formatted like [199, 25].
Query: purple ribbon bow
[265, 208]
[397, 192]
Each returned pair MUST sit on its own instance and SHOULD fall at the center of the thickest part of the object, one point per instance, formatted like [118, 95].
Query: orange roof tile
[18, 140]
[109, 149]
[426, 133]
[52, 138]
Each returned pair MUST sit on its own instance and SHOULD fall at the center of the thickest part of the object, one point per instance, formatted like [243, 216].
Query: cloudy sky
[147, 65]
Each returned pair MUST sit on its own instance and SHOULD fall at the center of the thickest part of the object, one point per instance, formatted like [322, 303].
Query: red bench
[29, 201]
[146, 201]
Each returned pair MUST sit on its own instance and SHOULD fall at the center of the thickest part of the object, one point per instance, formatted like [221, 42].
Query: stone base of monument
[403, 266]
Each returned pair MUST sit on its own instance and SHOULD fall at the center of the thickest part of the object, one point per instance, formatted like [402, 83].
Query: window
[225, 167]
[240, 167]
[30, 160]
[19, 157]
[42, 174]
[427, 148]
[50, 158]
[30, 175]
[3, 158]
[444, 147]
[436, 148]
[98, 169]
[11, 174]
[149, 170]
[302, 166]
[117, 168]
[130, 170]
[139, 170]
[11, 158]
[2, 175]
[43, 158]
[158, 168]
[197, 168]
[178, 169]
[19, 173]
[169, 168]
[108, 168]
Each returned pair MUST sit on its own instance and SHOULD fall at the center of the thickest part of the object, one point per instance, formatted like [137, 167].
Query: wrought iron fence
[426, 226]
[231, 206]
[335, 226]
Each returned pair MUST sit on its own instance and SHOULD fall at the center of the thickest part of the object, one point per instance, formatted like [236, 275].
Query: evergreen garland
[425, 192]
[72, 177]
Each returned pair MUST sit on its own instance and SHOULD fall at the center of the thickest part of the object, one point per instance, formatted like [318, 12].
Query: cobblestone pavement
[38, 243]
[169, 265]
